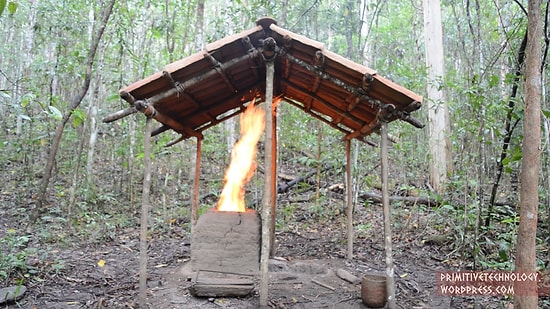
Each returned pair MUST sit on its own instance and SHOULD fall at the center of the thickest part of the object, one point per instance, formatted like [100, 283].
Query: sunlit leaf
[27, 99]
[12, 7]
[493, 80]
[113, 97]
[55, 113]
[517, 156]
[503, 251]
[78, 117]
[25, 117]
[2, 6]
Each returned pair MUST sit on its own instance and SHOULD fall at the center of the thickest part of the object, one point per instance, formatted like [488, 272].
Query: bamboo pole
[195, 205]
[144, 215]
[267, 194]
[349, 201]
[390, 284]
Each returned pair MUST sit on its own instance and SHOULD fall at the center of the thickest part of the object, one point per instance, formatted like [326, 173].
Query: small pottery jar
[373, 291]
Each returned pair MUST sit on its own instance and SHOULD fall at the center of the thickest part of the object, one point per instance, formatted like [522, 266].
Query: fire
[243, 163]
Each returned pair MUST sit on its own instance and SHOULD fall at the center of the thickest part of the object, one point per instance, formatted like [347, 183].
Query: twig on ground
[323, 285]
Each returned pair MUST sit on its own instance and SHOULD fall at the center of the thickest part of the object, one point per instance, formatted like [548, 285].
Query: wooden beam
[144, 213]
[325, 104]
[252, 93]
[273, 115]
[161, 129]
[253, 64]
[221, 71]
[267, 211]
[325, 76]
[179, 88]
[196, 180]
[300, 106]
[390, 284]
[193, 81]
[147, 108]
[120, 114]
[349, 200]
[364, 130]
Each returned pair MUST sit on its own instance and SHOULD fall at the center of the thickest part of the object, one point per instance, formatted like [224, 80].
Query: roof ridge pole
[390, 284]
[268, 204]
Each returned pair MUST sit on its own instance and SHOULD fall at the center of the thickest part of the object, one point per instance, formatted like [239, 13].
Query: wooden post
[349, 200]
[390, 284]
[144, 215]
[195, 205]
[267, 194]
[273, 175]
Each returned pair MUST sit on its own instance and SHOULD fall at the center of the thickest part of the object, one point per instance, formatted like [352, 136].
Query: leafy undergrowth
[91, 258]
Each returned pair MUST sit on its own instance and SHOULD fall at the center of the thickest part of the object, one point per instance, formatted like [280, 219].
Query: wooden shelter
[255, 66]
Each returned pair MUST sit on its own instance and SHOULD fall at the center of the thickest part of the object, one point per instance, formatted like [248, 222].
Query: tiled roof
[206, 88]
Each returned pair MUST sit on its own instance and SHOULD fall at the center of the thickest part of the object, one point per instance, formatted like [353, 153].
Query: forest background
[98, 170]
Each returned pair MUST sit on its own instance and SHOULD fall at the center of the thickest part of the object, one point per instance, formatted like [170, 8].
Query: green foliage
[12, 7]
[42, 67]
[12, 254]
[2, 6]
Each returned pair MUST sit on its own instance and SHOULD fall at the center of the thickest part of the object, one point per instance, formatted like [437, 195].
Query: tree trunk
[438, 114]
[526, 292]
[199, 26]
[91, 144]
[508, 128]
[35, 213]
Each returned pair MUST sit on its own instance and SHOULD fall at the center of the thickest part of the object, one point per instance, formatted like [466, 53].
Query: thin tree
[35, 213]
[526, 297]
[509, 126]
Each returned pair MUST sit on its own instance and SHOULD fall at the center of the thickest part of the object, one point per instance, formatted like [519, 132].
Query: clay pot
[373, 291]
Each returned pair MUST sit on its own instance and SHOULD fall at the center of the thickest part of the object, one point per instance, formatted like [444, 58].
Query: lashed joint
[177, 85]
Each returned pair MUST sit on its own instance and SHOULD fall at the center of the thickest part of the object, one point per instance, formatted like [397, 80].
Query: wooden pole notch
[367, 82]
[269, 45]
[319, 60]
[247, 43]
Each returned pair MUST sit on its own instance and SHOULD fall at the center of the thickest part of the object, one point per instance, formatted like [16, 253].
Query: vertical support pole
[273, 176]
[267, 194]
[144, 215]
[349, 200]
[195, 206]
[390, 284]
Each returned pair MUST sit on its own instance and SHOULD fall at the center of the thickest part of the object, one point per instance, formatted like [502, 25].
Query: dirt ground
[309, 251]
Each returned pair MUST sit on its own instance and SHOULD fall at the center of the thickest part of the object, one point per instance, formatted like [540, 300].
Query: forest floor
[72, 272]
[94, 261]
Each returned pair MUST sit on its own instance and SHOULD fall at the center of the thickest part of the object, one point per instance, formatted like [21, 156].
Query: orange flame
[243, 164]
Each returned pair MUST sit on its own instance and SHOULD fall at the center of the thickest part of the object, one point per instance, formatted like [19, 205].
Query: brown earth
[310, 249]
